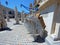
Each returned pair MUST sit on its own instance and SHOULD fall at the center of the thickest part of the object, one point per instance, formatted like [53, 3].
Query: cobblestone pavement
[17, 36]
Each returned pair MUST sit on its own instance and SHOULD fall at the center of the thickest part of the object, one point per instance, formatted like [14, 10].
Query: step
[50, 41]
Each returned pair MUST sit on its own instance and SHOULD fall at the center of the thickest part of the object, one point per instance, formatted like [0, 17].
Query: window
[4, 12]
[11, 12]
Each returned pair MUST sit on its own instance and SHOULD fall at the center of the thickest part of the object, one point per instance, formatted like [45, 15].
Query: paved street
[17, 36]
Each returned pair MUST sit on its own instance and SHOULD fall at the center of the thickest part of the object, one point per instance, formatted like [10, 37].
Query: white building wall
[48, 17]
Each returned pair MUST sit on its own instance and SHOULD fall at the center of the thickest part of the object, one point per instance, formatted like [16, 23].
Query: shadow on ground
[3, 29]
[39, 39]
[17, 24]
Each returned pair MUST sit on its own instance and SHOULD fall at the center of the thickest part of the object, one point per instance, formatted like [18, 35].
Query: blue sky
[13, 3]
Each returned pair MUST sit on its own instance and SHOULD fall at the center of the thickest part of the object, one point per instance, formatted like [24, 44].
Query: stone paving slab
[17, 36]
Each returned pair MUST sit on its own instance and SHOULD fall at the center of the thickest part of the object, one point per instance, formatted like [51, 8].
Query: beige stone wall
[3, 23]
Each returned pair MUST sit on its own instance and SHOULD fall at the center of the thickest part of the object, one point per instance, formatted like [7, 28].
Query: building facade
[50, 10]
[7, 13]
[10, 11]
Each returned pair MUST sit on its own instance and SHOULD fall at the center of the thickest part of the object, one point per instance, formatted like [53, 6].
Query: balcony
[43, 2]
[46, 3]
